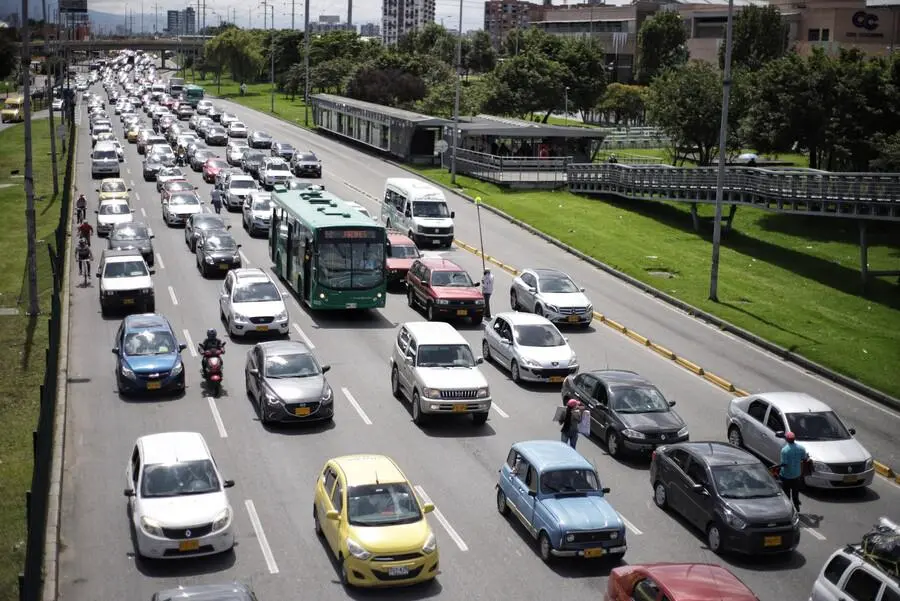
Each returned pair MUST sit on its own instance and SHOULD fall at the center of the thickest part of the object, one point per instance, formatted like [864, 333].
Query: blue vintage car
[556, 494]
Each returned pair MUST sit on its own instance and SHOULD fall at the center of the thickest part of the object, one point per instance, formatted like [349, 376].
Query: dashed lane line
[451, 532]
[634, 529]
[189, 342]
[159, 261]
[814, 533]
[244, 260]
[356, 405]
[261, 537]
[499, 411]
[303, 336]
[143, 213]
[172, 296]
[217, 417]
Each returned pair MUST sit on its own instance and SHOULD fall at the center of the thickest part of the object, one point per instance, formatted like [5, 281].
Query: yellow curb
[689, 365]
[662, 351]
[637, 337]
[884, 470]
[740, 392]
[720, 382]
[615, 325]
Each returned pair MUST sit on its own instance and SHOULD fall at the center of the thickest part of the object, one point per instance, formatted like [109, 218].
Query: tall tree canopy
[661, 45]
[759, 36]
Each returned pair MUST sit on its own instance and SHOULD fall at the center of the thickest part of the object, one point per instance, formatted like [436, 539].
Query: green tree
[759, 36]
[481, 56]
[295, 80]
[585, 74]
[531, 40]
[661, 45]
[286, 45]
[329, 76]
[527, 84]
[626, 103]
[8, 55]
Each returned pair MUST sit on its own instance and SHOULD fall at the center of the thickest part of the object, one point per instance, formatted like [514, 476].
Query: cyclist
[84, 256]
[80, 208]
[85, 230]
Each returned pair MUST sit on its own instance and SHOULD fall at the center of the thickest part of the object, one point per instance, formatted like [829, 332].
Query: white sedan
[553, 294]
[237, 130]
[180, 206]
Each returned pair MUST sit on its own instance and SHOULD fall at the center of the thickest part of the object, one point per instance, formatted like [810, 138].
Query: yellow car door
[334, 532]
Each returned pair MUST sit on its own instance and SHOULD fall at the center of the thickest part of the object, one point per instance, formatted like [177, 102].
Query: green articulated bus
[192, 95]
[331, 255]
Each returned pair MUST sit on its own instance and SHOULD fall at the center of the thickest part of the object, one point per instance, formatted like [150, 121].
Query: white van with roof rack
[419, 210]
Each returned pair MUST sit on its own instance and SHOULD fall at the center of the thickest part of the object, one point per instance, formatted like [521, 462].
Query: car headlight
[281, 316]
[479, 301]
[818, 466]
[683, 432]
[272, 398]
[430, 543]
[629, 433]
[553, 308]
[870, 463]
[570, 538]
[431, 393]
[734, 520]
[222, 519]
[151, 527]
[615, 535]
[327, 395]
[209, 260]
[179, 367]
[530, 362]
[483, 393]
[442, 301]
[238, 317]
[356, 550]
[127, 371]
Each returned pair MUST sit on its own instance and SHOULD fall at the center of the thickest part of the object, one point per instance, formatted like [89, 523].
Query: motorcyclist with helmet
[212, 342]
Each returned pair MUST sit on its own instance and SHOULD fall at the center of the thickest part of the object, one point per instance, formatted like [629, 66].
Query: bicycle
[80, 214]
[85, 272]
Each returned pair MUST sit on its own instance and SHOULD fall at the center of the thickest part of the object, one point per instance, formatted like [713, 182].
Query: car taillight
[653, 456]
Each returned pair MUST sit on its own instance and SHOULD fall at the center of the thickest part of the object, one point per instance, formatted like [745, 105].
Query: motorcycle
[212, 372]
[181, 159]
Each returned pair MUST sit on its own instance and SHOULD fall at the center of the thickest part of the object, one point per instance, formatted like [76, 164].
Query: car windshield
[555, 284]
[261, 135]
[220, 243]
[150, 342]
[569, 481]
[130, 232]
[257, 292]
[430, 209]
[217, 164]
[295, 365]
[243, 184]
[216, 131]
[544, 335]
[238, 125]
[113, 187]
[209, 223]
[265, 204]
[178, 186]
[405, 252]
[105, 155]
[382, 505]
[744, 482]
[458, 279]
[125, 269]
[177, 479]
[820, 426]
[445, 355]
[184, 200]
[285, 148]
[356, 264]
[278, 167]
[171, 172]
[114, 209]
[307, 157]
[638, 399]
[254, 156]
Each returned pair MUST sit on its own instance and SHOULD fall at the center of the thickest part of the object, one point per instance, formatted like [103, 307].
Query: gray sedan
[286, 383]
[530, 347]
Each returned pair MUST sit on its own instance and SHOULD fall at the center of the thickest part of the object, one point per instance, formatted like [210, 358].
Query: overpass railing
[501, 169]
[860, 195]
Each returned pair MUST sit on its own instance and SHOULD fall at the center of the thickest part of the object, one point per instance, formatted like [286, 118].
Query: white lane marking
[630, 526]
[360, 191]
[303, 335]
[814, 533]
[172, 295]
[244, 258]
[128, 169]
[261, 537]
[499, 411]
[159, 261]
[143, 213]
[132, 185]
[220, 425]
[440, 518]
[189, 342]
[356, 406]
[137, 195]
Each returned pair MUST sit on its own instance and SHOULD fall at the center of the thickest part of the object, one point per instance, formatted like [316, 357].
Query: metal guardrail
[508, 169]
[871, 196]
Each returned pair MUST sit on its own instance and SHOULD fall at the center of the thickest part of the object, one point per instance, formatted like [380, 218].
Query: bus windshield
[351, 259]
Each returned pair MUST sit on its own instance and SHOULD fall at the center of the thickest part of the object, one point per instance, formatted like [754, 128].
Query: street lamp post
[566, 109]
[306, 41]
[720, 175]
[456, 99]
[272, 59]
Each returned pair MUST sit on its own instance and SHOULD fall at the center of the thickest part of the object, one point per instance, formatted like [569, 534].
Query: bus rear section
[192, 95]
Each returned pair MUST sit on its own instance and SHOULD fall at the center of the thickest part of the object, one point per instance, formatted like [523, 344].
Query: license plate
[573, 318]
[462, 311]
[556, 379]
[459, 408]
[594, 552]
[435, 241]
[223, 265]
[772, 541]
[398, 571]
[350, 306]
[127, 301]
[301, 411]
[851, 478]
[154, 385]
[262, 328]
[189, 545]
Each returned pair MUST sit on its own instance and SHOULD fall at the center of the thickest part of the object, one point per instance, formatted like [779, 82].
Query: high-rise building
[328, 23]
[370, 30]
[181, 22]
[503, 16]
[173, 22]
[398, 17]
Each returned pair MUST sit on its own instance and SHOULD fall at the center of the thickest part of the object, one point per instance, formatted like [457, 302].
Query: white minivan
[419, 210]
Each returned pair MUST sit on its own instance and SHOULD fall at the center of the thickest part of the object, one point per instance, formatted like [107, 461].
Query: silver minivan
[104, 160]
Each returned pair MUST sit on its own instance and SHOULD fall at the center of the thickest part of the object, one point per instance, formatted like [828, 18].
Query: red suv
[444, 289]
[676, 582]
[401, 253]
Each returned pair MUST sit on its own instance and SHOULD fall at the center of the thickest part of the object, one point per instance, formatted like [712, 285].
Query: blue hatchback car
[556, 494]
[148, 356]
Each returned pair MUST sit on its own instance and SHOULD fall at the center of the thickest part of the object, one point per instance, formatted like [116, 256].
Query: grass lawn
[22, 342]
[258, 97]
[790, 279]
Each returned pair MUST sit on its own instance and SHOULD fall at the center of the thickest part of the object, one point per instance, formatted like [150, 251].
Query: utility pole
[265, 16]
[30, 226]
[293, 9]
[456, 99]
[142, 17]
[266, 4]
[48, 91]
[350, 14]
[306, 64]
[156, 24]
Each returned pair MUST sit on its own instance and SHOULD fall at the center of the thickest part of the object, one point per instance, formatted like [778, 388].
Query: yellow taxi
[374, 523]
[113, 187]
[13, 109]
[133, 131]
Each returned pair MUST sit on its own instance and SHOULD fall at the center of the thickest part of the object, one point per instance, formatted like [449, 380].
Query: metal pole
[272, 58]
[293, 9]
[306, 41]
[30, 226]
[720, 176]
[456, 99]
[566, 110]
[480, 235]
[48, 91]
[142, 17]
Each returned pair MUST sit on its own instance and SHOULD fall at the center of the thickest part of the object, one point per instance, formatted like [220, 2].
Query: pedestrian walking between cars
[792, 469]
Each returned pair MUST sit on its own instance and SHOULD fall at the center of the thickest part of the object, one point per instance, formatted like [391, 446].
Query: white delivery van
[419, 210]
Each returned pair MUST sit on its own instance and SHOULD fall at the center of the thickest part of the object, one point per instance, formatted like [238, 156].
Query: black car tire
[417, 416]
[502, 505]
[395, 383]
[714, 538]
[317, 526]
[613, 444]
[410, 297]
[514, 373]
[660, 495]
[544, 547]
[429, 312]
[486, 351]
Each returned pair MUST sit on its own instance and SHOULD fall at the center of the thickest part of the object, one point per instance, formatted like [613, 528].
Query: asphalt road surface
[484, 556]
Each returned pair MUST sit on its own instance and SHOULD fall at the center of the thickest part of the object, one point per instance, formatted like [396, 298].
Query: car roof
[546, 455]
[284, 347]
[249, 274]
[173, 447]
[716, 453]
[400, 239]
[543, 272]
[620, 377]
[517, 318]
[434, 332]
[793, 402]
[699, 581]
[360, 470]
[206, 592]
[119, 256]
[146, 321]
[111, 180]
[113, 201]
[439, 264]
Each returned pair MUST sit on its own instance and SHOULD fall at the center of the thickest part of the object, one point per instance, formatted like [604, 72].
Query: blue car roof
[546, 455]
[147, 321]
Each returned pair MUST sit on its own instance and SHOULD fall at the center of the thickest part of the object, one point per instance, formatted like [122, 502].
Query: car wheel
[502, 506]
[485, 350]
[735, 438]
[410, 298]
[545, 547]
[513, 300]
[613, 444]
[395, 382]
[417, 416]
[538, 310]
[660, 496]
[202, 269]
[430, 312]
[514, 374]
[151, 307]
[317, 525]
[345, 580]
[480, 419]
[714, 538]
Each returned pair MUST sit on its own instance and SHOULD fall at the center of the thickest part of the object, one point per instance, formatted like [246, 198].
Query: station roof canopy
[387, 111]
[489, 125]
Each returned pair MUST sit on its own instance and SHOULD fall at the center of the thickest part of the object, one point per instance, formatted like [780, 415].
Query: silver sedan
[530, 347]
[553, 294]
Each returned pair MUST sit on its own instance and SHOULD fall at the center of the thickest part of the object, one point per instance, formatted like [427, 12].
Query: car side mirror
[98, 189]
[96, 212]
[408, 360]
[479, 360]
[582, 289]
[605, 491]
[253, 371]
[423, 282]
[199, 245]
[152, 271]
[115, 350]
[427, 507]
[506, 341]
[227, 227]
[671, 403]
[181, 347]
[332, 515]
[700, 489]
[97, 274]
[452, 214]
[532, 493]
[326, 368]
[852, 431]
[228, 484]
[779, 434]
[531, 289]
[128, 492]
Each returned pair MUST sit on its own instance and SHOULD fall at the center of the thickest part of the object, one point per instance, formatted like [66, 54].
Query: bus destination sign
[367, 234]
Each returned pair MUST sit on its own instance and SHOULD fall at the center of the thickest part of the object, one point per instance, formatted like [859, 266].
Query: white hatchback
[176, 498]
[251, 302]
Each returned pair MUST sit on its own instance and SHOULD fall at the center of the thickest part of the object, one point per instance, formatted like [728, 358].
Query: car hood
[567, 299]
[452, 377]
[185, 209]
[297, 390]
[113, 196]
[184, 511]
[772, 509]
[456, 292]
[837, 451]
[135, 283]
[221, 255]
[151, 364]
[652, 422]
[110, 219]
[240, 192]
[276, 174]
[308, 163]
[402, 538]
[554, 356]
[260, 309]
[433, 221]
[261, 214]
[141, 245]
[399, 263]
[583, 513]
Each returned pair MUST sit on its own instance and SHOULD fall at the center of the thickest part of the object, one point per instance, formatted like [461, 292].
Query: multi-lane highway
[484, 556]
